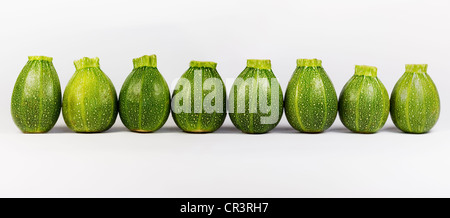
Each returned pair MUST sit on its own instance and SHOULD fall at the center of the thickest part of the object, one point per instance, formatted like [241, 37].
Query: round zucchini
[415, 104]
[199, 99]
[364, 101]
[256, 98]
[144, 100]
[310, 102]
[36, 98]
[90, 100]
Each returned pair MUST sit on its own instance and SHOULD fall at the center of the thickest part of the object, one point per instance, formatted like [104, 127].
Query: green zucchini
[256, 98]
[415, 104]
[144, 100]
[90, 100]
[310, 102]
[199, 99]
[364, 101]
[36, 98]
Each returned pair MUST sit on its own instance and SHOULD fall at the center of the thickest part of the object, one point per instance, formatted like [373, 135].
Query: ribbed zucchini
[199, 99]
[90, 100]
[36, 98]
[415, 104]
[364, 101]
[144, 102]
[256, 98]
[310, 102]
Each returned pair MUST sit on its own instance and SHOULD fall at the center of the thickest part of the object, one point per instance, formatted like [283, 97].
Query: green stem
[145, 61]
[416, 68]
[86, 63]
[40, 58]
[363, 70]
[259, 64]
[309, 63]
[205, 64]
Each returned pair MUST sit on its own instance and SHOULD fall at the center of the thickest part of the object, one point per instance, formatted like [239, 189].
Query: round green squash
[89, 100]
[310, 102]
[36, 98]
[144, 100]
[199, 99]
[364, 101]
[256, 98]
[415, 104]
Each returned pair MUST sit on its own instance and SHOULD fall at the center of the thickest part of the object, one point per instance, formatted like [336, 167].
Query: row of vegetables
[256, 103]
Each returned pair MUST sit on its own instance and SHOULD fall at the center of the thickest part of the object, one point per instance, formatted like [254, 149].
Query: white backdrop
[170, 163]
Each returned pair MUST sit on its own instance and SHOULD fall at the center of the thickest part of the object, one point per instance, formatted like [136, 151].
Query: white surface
[282, 163]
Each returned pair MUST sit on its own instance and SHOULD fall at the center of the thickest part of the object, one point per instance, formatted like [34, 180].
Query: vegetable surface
[256, 98]
[415, 104]
[36, 98]
[364, 101]
[90, 100]
[144, 102]
[310, 102]
[199, 99]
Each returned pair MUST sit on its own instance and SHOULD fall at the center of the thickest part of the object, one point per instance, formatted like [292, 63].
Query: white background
[170, 163]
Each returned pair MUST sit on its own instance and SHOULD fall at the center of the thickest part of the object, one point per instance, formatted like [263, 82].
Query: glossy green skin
[415, 104]
[144, 102]
[36, 98]
[310, 102]
[251, 122]
[89, 101]
[364, 104]
[200, 122]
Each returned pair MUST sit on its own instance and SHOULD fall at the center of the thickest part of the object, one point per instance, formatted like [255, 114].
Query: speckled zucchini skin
[90, 100]
[310, 102]
[251, 122]
[204, 121]
[36, 98]
[364, 102]
[415, 104]
[144, 102]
